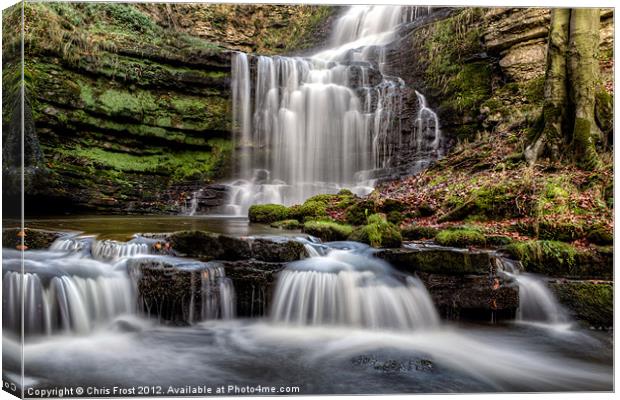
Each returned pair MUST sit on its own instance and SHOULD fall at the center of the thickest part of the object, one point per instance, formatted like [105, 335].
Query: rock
[525, 61]
[254, 283]
[177, 291]
[212, 246]
[472, 296]
[34, 239]
[437, 260]
[277, 249]
[590, 301]
[209, 246]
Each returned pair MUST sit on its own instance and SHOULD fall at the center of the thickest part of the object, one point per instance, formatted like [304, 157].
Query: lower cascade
[62, 293]
[536, 302]
[81, 284]
[344, 288]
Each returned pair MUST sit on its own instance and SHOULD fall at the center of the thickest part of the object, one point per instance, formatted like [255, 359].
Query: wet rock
[209, 246]
[437, 260]
[589, 301]
[34, 239]
[177, 291]
[277, 249]
[212, 246]
[254, 283]
[479, 297]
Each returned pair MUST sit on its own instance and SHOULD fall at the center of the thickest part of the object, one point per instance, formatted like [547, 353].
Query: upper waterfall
[305, 126]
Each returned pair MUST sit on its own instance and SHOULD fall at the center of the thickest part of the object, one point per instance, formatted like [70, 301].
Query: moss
[395, 217]
[600, 234]
[327, 231]
[358, 213]
[417, 232]
[544, 256]
[267, 213]
[460, 237]
[583, 145]
[345, 192]
[377, 233]
[565, 231]
[498, 240]
[588, 301]
[310, 209]
[390, 205]
[288, 224]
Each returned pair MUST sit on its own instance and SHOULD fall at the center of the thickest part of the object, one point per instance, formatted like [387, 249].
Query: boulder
[479, 297]
[437, 260]
[180, 292]
[588, 301]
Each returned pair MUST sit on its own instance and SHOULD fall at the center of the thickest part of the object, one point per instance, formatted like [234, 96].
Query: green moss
[345, 192]
[600, 234]
[395, 217]
[565, 231]
[310, 209]
[589, 301]
[378, 233]
[417, 232]
[267, 213]
[460, 237]
[358, 213]
[544, 256]
[327, 231]
[288, 224]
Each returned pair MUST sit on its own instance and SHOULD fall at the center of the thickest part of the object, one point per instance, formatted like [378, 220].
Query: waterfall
[536, 302]
[61, 294]
[218, 294]
[318, 124]
[344, 288]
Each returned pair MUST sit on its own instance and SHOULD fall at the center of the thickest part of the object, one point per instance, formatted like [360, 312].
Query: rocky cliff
[481, 69]
[130, 104]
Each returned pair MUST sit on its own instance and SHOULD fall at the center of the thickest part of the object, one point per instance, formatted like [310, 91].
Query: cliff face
[130, 103]
[481, 69]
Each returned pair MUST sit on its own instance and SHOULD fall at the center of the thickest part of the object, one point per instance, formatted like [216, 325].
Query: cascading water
[61, 292]
[345, 288]
[81, 283]
[536, 302]
[319, 124]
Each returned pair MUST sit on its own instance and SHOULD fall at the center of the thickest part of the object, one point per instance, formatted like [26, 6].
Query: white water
[536, 302]
[348, 289]
[319, 124]
[81, 284]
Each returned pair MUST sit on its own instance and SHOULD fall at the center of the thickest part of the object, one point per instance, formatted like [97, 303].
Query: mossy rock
[488, 202]
[378, 233]
[426, 210]
[600, 235]
[592, 302]
[346, 192]
[390, 205]
[327, 231]
[559, 259]
[460, 237]
[498, 240]
[267, 213]
[288, 224]
[417, 232]
[558, 230]
[309, 210]
[358, 213]
[395, 217]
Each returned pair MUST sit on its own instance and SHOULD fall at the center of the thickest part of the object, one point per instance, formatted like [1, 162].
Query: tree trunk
[583, 70]
[549, 137]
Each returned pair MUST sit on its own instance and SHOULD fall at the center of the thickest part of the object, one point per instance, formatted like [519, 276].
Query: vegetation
[268, 213]
[327, 231]
[288, 224]
[378, 232]
[460, 237]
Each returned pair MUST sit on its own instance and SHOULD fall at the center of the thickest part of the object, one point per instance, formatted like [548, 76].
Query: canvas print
[301, 199]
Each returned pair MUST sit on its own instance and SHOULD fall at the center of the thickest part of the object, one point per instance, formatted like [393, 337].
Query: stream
[342, 322]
